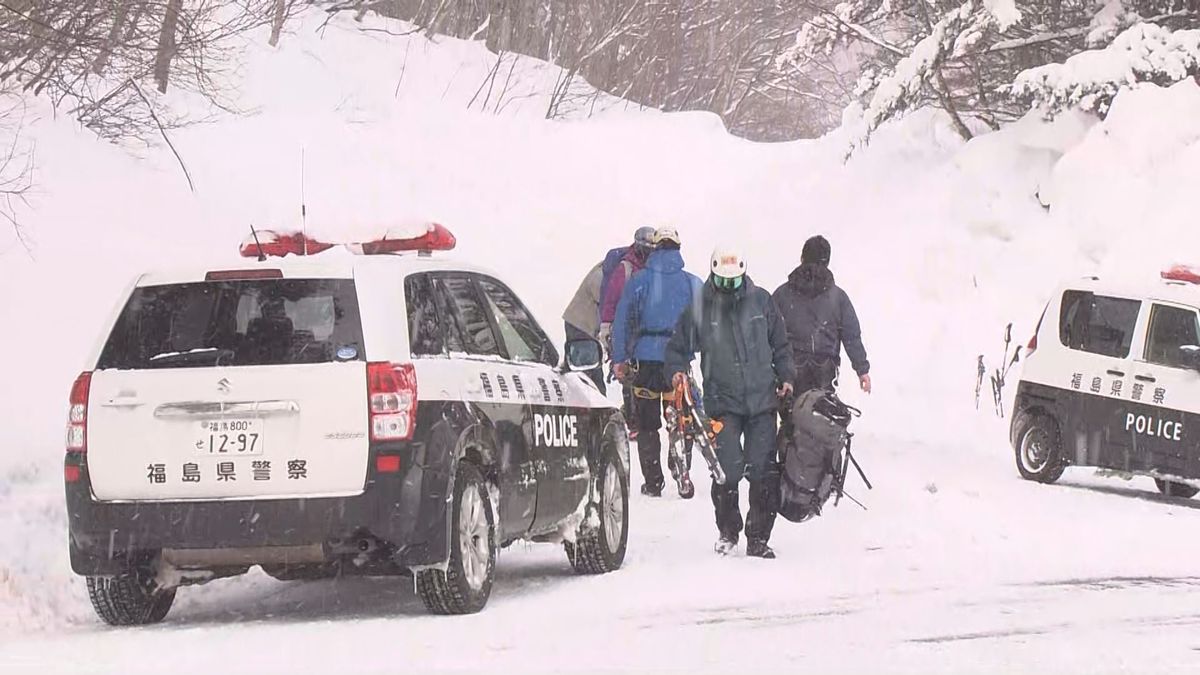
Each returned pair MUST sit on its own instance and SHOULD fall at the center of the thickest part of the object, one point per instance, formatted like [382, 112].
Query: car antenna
[303, 206]
[262, 257]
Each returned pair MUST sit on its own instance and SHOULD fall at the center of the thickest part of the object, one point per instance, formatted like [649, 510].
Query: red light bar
[242, 275]
[279, 244]
[1184, 273]
[436, 238]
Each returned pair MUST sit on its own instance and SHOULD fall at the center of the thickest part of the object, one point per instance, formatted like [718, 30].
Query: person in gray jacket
[820, 321]
[746, 364]
[582, 316]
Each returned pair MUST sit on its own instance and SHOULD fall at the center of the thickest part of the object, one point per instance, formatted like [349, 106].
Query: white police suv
[1112, 380]
[389, 412]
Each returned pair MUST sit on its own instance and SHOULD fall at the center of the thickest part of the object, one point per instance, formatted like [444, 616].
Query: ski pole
[861, 473]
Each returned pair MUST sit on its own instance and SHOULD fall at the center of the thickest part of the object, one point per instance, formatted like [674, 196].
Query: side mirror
[1190, 355]
[583, 355]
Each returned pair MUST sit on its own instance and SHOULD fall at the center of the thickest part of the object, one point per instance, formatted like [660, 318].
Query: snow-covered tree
[1090, 80]
[964, 56]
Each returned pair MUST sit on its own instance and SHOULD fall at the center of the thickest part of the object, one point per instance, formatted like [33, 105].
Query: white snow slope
[957, 565]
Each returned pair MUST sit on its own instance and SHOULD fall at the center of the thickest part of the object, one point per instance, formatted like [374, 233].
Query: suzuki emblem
[223, 386]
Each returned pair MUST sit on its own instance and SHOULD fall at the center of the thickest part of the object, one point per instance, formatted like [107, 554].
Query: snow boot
[726, 546]
[759, 549]
[651, 491]
[686, 489]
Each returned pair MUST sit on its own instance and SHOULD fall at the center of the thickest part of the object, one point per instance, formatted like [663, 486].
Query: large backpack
[811, 462]
[612, 261]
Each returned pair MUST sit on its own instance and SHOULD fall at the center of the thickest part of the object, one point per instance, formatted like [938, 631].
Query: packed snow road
[957, 564]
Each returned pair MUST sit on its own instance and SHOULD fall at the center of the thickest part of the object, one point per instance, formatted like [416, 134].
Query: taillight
[1032, 346]
[392, 396]
[77, 417]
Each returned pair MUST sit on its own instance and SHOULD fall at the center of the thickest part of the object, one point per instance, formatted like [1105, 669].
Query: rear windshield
[236, 323]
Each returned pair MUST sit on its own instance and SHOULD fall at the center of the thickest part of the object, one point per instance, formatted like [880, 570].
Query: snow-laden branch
[1089, 80]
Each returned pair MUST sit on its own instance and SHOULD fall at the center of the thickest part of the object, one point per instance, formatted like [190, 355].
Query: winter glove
[622, 372]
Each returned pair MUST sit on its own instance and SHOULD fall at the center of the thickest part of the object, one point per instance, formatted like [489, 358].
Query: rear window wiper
[202, 355]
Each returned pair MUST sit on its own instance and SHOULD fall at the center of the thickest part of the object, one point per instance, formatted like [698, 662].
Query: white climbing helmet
[727, 263]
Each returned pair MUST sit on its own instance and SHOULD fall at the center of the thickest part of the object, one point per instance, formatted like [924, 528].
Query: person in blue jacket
[647, 313]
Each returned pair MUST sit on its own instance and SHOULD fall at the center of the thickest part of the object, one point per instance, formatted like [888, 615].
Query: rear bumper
[405, 510]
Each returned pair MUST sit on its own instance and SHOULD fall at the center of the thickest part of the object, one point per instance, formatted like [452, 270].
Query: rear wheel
[466, 584]
[601, 541]
[130, 599]
[1173, 489]
[1038, 447]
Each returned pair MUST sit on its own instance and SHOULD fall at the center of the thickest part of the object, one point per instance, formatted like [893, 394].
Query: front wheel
[1038, 447]
[601, 541]
[466, 584]
[132, 598]
[1173, 489]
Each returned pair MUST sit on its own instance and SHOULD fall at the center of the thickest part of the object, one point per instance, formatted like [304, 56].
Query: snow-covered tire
[1173, 489]
[466, 584]
[129, 599]
[600, 543]
[1038, 447]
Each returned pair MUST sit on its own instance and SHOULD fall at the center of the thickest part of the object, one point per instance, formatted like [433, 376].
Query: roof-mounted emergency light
[279, 244]
[1185, 273]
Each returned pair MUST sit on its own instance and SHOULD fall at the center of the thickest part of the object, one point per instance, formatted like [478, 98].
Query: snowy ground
[958, 565]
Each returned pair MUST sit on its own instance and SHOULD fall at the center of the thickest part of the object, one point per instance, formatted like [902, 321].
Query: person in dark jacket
[746, 364]
[820, 321]
[644, 321]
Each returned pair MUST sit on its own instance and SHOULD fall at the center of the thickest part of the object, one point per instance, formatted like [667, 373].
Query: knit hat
[816, 250]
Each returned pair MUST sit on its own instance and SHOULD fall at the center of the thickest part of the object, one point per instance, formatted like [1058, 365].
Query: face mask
[727, 284]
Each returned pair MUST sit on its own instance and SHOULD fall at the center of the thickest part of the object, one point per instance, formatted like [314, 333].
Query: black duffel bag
[811, 442]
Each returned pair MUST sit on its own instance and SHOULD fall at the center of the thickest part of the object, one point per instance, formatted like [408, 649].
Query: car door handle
[1145, 378]
[1116, 373]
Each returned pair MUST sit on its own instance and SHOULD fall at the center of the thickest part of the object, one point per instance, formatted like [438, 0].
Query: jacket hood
[810, 279]
[667, 260]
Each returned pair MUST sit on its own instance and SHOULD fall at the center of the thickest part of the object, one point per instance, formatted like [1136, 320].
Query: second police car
[1112, 381]
[380, 413]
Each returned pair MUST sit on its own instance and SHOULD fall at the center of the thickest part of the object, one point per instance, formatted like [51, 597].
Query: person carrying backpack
[644, 321]
[620, 264]
[581, 318]
[820, 320]
[746, 363]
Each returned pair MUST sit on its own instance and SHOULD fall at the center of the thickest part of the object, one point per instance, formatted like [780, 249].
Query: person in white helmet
[746, 362]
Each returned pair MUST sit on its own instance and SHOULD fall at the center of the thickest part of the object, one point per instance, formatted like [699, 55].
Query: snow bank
[939, 244]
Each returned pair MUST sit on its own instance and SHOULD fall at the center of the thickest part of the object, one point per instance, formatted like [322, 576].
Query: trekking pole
[858, 468]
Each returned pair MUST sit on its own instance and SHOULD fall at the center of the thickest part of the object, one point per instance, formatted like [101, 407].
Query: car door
[491, 384]
[1162, 422]
[1100, 329]
[558, 427]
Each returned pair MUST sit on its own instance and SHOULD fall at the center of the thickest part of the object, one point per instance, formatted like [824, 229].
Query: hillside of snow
[939, 243]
